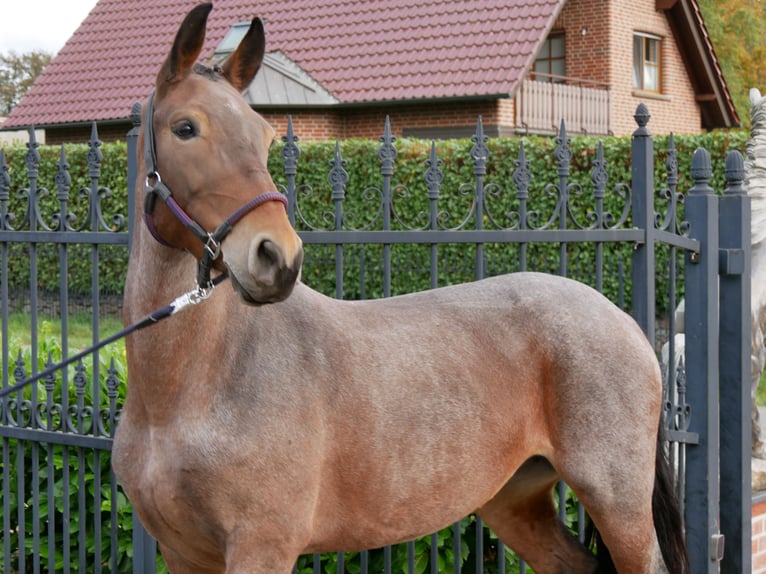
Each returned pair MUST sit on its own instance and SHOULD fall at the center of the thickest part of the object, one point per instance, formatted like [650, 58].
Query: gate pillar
[734, 361]
[703, 535]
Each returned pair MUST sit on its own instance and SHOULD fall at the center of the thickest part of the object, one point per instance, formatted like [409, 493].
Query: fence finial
[702, 171]
[562, 153]
[433, 176]
[63, 179]
[387, 151]
[5, 178]
[735, 174]
[135, 115]
[95, 157]
[338, 176]
[642, 117]
[521, 175]
[290, 152]
[33, 156]
[479, 151]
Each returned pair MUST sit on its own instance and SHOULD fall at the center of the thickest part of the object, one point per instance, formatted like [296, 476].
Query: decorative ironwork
[678, 412]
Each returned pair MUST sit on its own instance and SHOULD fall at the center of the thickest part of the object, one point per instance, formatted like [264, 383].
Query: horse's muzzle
[271, 273]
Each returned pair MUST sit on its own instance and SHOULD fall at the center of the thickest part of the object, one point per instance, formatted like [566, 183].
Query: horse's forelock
[211, 73]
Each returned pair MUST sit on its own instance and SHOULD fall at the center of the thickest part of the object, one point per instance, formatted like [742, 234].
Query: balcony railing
[582, 104]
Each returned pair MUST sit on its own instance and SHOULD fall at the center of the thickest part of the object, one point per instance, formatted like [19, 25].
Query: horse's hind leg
[617, 493]
[523, 515]
[626, 526]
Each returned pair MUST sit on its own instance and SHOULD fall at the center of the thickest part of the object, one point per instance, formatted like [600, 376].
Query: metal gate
[62, 508]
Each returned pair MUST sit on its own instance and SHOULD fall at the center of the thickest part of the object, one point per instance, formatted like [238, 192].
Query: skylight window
[232, 39]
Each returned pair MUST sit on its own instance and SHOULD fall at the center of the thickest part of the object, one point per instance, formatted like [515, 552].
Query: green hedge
[362, 205]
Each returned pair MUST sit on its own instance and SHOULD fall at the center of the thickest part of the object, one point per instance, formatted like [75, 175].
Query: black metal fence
[62, 509]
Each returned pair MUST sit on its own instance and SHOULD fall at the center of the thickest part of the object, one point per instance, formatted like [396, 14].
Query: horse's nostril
[268, 253]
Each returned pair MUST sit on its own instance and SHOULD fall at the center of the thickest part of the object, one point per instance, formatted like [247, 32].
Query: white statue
[755, 178]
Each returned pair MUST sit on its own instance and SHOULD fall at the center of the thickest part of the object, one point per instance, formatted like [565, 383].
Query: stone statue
[755, 179]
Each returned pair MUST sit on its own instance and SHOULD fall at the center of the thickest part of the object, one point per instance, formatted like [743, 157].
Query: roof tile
[434, 49]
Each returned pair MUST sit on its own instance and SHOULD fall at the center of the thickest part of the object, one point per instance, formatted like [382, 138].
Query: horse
[270, 421]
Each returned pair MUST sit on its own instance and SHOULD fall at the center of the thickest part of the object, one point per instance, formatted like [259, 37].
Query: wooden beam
[665, 4]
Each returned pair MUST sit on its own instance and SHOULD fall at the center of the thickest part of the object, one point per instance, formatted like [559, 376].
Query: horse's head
[209, 166]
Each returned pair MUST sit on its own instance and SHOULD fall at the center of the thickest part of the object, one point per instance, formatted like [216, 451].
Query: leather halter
[211, 240]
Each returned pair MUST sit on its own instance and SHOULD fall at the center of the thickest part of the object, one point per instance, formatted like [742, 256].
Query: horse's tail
[667, 514]
[667, 521]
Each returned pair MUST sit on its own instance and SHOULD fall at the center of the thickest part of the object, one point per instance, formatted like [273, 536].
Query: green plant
[65, 498]
[361, 206]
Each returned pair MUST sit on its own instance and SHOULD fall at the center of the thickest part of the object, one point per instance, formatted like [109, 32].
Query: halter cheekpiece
[155, 188]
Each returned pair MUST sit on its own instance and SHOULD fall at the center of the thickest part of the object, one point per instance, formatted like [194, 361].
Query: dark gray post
[734, 362]
[144, 546]
[642, 176]
[701, 320]
[132, 141]
[144, 549]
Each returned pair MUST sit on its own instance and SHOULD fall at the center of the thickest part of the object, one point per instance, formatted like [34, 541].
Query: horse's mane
[755, 167]
[211, 73]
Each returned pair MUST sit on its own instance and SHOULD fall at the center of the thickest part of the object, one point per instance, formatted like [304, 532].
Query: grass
[79, 330]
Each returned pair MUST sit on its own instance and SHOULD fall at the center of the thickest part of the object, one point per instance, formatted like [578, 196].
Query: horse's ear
[240, 68]
[187, 45]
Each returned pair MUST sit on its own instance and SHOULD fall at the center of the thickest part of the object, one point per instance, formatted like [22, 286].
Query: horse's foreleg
[523, 515]
[178, 565]
[259, 558]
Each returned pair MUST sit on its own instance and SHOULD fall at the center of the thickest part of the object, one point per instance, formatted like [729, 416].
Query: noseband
[156, 188]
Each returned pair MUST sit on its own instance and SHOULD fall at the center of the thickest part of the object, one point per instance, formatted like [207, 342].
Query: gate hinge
[731, 261]
[717, 542]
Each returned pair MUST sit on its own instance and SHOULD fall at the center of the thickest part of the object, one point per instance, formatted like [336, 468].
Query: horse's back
[515, 366]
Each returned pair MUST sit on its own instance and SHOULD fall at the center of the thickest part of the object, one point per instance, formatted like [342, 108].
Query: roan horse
[271, 421]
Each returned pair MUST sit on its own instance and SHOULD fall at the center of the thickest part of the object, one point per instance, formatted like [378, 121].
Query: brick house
[433, 66]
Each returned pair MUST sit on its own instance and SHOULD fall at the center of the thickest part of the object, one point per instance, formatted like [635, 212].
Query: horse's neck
[156, 275]
[755, 176]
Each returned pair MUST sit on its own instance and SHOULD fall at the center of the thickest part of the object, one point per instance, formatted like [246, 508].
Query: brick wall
[451, 119]
[81, 134]
[599, 31]
[759, 538]
[675, 109]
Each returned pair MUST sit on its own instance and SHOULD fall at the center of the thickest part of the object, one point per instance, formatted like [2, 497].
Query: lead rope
[180, 303]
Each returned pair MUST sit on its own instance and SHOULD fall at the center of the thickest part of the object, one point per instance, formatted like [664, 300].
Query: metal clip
[157, 179]
[212, 247]
[192, 298]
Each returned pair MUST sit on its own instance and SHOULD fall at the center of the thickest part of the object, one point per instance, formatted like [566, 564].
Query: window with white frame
[647, 71]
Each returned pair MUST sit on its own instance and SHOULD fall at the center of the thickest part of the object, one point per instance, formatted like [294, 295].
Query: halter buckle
[153, 175]
[213, 247]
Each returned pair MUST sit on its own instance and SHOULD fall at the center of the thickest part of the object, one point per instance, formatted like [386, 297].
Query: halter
[210, 240]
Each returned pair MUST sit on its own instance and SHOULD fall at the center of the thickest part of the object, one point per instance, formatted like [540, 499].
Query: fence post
[701, 319]
[144, 546]
[132, 141]
[643, 268]
[734, 362]
[144, 549]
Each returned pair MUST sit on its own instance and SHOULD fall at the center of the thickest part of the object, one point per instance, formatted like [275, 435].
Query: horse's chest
[164, 476]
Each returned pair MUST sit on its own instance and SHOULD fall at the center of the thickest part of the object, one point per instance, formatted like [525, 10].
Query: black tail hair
[667, 521]
[667, 514]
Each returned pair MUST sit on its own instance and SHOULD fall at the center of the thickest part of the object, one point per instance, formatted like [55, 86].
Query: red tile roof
[375, 50]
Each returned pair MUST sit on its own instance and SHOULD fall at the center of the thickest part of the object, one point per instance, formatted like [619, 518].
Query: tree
[17, 73]
[737, 30]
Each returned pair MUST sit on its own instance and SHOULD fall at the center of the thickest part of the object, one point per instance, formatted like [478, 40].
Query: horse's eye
[185, 130]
